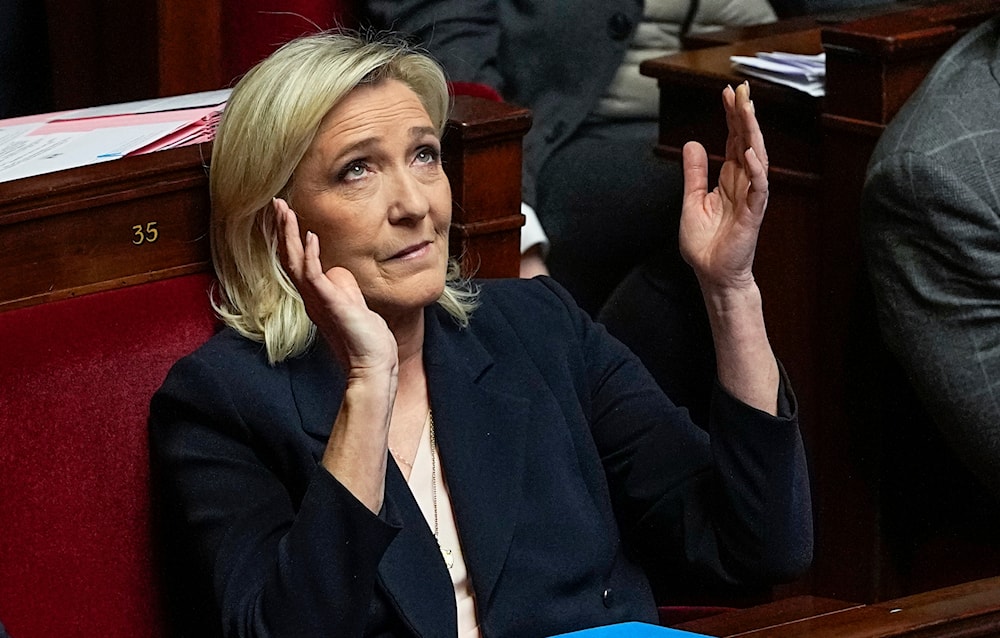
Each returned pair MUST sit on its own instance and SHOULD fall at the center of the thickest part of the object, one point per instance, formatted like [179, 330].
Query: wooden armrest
[873, 65]
[146, 218]
[482, 156]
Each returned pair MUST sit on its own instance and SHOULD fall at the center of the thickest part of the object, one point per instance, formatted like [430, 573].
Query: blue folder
[630, 630]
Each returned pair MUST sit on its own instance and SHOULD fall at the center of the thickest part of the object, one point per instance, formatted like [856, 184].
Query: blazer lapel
[412, 572]
[481, 437]
[480, 428]
[318, 383]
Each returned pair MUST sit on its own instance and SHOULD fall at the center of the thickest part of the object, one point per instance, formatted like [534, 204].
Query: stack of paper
[803, 72]
[55, 141]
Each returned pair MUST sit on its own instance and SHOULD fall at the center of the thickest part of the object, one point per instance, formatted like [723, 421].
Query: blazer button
[608, 597]
[619, 26]
[555, 132]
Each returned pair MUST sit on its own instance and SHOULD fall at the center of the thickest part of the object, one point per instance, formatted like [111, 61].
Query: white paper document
[30, 155]
[155, 105]
[806, 73]
[57, 141]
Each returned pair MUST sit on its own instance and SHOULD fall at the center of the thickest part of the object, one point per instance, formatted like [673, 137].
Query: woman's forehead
[386, 99]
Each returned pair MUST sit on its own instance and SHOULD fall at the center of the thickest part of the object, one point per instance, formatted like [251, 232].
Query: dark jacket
[931, 233]
[556, 58]
[567, 468]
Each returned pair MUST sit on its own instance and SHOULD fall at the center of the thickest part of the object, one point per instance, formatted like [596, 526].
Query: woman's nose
[409, 198]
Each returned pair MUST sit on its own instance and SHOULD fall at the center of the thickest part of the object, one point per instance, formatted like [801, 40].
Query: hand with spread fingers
[719, 228]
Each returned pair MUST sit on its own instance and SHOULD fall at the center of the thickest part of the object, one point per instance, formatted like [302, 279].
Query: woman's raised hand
[356, 451]
[333, 300]
[718, 237]
[718, 232]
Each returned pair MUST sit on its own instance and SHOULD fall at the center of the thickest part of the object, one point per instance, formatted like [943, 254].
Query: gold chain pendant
[449, 560]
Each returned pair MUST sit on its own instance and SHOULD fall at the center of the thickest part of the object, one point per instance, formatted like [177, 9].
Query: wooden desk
[146, 218]
[808, 260]
[968, 610]
[767, 616]
[799, 23]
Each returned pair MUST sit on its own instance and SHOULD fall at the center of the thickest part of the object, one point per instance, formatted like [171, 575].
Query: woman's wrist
[734, 304]
[746, 365]
[356, 451]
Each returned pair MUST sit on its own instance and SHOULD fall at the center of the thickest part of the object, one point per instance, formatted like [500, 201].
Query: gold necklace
[399, 458]
[449, 558]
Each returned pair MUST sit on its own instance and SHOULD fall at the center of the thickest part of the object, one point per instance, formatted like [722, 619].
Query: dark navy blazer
[569, 471]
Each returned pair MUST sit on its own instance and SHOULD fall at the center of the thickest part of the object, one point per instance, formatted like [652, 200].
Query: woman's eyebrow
[363, 147]
[418, 132]
[366, 145]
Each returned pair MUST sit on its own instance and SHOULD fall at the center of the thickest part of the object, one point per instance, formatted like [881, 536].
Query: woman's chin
[411, 294]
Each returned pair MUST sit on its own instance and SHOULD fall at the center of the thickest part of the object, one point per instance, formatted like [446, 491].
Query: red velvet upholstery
[474, 89]
[76, 377]
[253, 29]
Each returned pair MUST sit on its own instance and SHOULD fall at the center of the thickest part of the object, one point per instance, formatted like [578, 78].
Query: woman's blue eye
[427, 155]
[354, 170]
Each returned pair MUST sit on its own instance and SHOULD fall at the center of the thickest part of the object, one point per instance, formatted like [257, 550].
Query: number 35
[147, 233]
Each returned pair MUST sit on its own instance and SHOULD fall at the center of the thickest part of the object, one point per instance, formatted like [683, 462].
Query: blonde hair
[269, 122]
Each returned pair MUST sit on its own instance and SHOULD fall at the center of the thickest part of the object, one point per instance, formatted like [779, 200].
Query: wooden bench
[969, 610]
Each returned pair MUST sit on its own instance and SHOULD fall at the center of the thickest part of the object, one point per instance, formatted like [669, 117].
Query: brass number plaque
[145, 234]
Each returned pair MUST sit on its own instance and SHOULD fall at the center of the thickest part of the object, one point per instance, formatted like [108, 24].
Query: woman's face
[372, 188]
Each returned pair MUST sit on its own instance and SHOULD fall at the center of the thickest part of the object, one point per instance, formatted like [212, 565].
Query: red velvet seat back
[76, 377]
[253, 29]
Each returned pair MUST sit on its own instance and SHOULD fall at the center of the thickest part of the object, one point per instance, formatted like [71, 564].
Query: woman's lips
[411, 250]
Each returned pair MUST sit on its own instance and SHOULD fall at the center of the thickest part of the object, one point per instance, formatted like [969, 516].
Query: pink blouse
[447, 532]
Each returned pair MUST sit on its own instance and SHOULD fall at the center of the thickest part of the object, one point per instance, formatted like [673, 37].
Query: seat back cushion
[76, 377]
[253, 29]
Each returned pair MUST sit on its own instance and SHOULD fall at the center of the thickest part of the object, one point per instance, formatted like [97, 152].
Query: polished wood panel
[189, 47]
[73, 232]
[482, 155]
[109, 51]
[873, 65]
[145, 218]
[968, 610]
[766, 617]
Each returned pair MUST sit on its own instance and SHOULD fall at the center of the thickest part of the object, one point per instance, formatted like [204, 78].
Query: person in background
[378, 446]
[931, 239]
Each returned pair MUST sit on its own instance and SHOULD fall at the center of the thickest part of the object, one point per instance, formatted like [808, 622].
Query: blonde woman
[375, 447]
